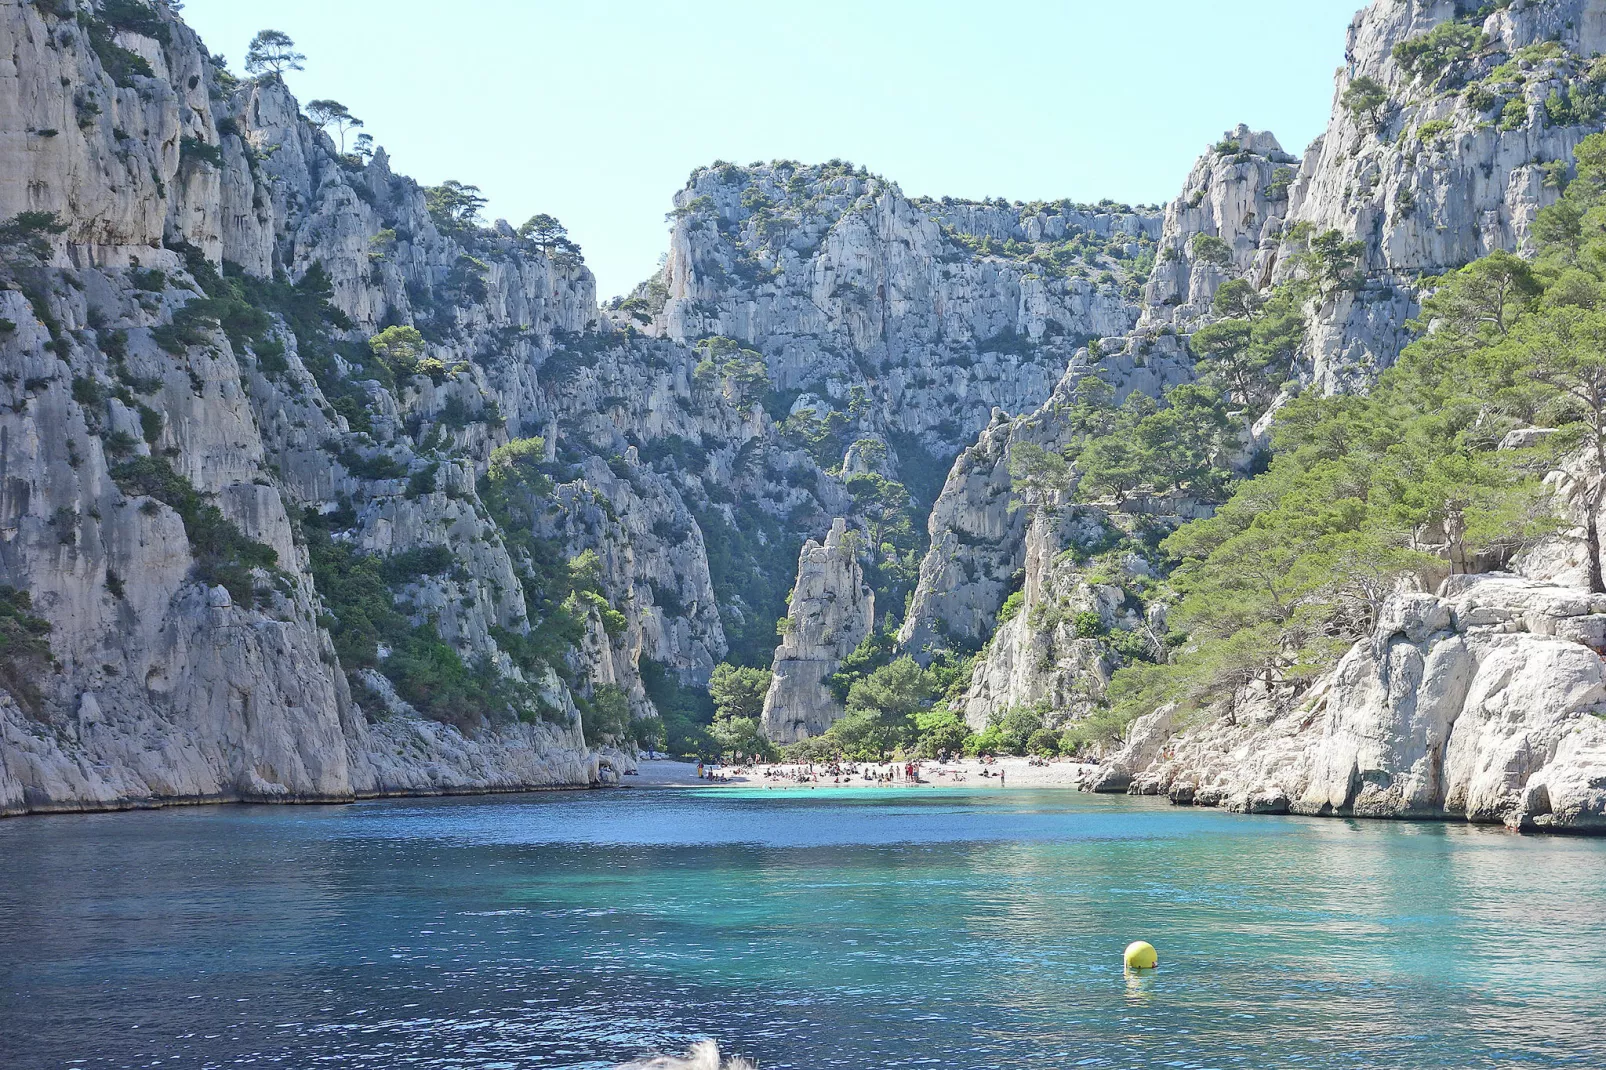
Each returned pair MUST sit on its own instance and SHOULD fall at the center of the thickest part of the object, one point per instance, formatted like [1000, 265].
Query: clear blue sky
[597, 110]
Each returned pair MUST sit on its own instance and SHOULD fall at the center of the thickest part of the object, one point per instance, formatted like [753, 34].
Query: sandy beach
[967, 773]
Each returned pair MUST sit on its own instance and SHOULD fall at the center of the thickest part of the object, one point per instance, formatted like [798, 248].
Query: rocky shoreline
[1481, 703]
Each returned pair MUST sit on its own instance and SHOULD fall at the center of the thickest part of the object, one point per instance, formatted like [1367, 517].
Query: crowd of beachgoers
[967, 772]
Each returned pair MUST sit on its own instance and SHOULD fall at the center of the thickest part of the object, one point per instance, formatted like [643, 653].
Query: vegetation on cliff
[1413, 481]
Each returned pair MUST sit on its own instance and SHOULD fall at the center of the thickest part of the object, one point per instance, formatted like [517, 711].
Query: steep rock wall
[170, 685]
[936, 309]
[830, 613]
[1483, 702]
[1442, 173]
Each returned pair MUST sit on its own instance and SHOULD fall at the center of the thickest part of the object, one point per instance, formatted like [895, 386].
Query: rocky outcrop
[830, 614]
[1049, 653]
[1483, 702]
[1454, 165]
[1145, 740]
[978, 526]
[212, 488]
[975, 548]
[936, 312]
[1237, 195]
[193, 656]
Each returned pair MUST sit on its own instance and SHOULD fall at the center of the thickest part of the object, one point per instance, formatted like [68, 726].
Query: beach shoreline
[969, 773]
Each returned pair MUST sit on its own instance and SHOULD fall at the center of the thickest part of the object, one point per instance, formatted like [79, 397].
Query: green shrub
[941, 732]
[411, 565]
[687, 712]
[24, 649]
[605, 716]
[1045, 743]
[194, 150]
[1432, 130]
[377, 466]
[31, 231]
[1090, 625]
[427, 672]
[1365, 98]
[87, 390]
[121, 64]
[424, 481]
[1432, 54]
[151, 281]
[1281, 179]
[1209, 249]
[135, 16]
[151, 423]
[1132, 646]
[270, 357]
[223, 555]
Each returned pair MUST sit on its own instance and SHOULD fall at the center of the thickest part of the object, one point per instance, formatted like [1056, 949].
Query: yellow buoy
[1142, 956]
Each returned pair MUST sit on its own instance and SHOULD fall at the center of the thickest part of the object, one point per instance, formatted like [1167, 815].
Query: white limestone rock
[1482, 703]
[830, 614]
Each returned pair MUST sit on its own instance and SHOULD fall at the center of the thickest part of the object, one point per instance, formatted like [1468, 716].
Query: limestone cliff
[165, 438]
[830, 613]
[1453, 164]
[938, 312]
[278, 563]
[1442, 165]
[1238, 195]
[1047, 650]
[1483, 702]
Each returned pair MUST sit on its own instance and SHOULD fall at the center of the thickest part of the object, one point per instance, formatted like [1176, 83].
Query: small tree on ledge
[272, 52]
[327, 113]
[1366, 98]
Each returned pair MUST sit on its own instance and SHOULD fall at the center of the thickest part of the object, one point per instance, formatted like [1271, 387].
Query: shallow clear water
[822, 929]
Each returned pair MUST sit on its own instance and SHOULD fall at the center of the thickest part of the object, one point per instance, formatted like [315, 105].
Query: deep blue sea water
[821, 929]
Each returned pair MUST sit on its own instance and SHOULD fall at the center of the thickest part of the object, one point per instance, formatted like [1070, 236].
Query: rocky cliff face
[194, 464]
[278, 564]
[1453, 164]
[164, 440]
[1046, 651]
[1238, 195]
[830, 613]
[1482, 702]
[1449, 161]
[915, 319]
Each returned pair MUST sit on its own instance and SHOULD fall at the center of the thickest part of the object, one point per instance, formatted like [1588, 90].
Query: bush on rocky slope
[24, 648]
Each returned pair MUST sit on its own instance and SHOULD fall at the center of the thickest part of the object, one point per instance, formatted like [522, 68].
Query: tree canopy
[454, 206]
[271, 53]
[327, 113]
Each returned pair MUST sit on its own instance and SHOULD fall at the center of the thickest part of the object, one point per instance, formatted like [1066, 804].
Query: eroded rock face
[1037, 657]
[168, 686]
[978, 530]
[830, 614]
[1434, 180]
[843, 283]
[920, 326]
[1426, 183]
[1237, 193]
[1482, 703]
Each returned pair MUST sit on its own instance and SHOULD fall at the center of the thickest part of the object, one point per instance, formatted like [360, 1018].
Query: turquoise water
[822, 929]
